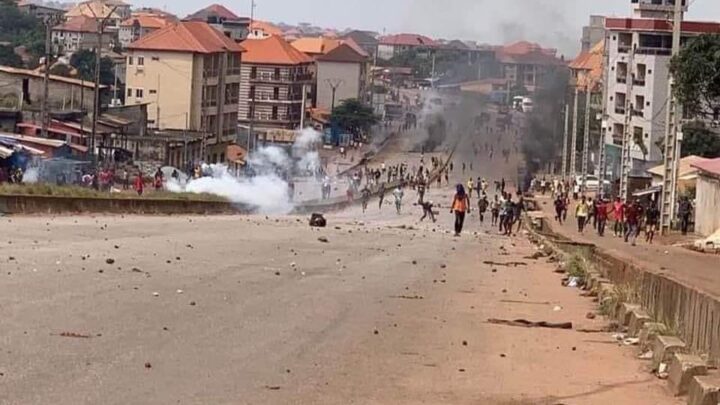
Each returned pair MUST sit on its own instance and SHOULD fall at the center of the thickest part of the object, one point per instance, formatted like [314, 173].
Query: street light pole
[98, 60]
[334, 85]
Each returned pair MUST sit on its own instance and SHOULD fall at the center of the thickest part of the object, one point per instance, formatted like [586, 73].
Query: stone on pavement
[683, 367]
[704, 390]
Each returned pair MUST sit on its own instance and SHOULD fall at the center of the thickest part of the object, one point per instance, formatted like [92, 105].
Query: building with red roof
[526, 64]
[79, 33]
[276, 80]
[189, 74]
[392, 45]
[140, 25]
[224, 20]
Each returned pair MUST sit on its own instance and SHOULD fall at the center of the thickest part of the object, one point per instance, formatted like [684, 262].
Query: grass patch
[577, 267]
[51, 190]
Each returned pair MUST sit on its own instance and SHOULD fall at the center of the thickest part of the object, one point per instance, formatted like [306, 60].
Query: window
[277, 73]
[155, 58]
[275, 113]
[153, 91]
[222, 158]
[253, 72]
[276, 93]
[129, 92]
[141, 61]
[139, 93]
[210, 95]
[130, 60]
[232, 93]
[252, 92]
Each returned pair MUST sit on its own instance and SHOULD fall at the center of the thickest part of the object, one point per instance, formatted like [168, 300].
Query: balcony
[639, 82]
[622, 79]
[270, 98]
[619, 110]
[638, 113]
[278, 119]
[654, 51]
[272, 78]
[624, 48]
[233, 71]
[210, 73]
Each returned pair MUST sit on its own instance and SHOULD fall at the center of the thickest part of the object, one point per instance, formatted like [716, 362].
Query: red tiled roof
[146, 21]
[315, 45]
[187, 36]
[407, 40]
[272, 50]
[711, 166]
[529, 53]
[215, 10]
[78, 24]
[343, 53]
[266, 27]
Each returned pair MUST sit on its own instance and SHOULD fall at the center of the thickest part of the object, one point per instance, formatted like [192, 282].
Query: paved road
[256, 310]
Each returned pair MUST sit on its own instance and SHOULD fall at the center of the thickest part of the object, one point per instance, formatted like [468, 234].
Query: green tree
[8, 57]
[354, 116]
[697, 75]
[18, 28]
[84, 62]
[700, 141]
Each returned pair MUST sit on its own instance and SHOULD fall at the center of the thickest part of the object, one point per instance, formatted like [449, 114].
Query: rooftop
[591, 63]
[530, 53]
[78, 24]
[187, 36]
[215, 10]
[407, 40]
[647, 24]
[685, 168]
[344, 52]
[709, 166]
[38, 75]
[266, 27]
[147, 21]
[94, 9]
[273, 50]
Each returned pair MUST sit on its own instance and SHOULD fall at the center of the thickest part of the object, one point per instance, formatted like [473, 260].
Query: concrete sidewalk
[692, 269]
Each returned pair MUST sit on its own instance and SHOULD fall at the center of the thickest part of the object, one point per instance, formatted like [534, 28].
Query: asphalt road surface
[256, 310]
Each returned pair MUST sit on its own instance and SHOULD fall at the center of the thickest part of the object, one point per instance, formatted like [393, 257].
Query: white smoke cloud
[266, 190]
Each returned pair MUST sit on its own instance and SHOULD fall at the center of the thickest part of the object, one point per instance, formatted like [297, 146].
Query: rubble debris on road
[272, 387]
[109, 260]
[323, 239]
[527, 302]
[529, 324]
[408, 297]
[318, 221]
[507, 264]
[74, 335]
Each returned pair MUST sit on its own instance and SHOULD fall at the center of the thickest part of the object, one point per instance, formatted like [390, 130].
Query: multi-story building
[263, 29]
[80, 33]
[393, 45]
[40, 11]
[224, 20]
[526, 65]
[341, 69]
[140, 25]
[113, 11]
[366, 39]
[189, 75]
[640, 50]
[592, 33]
[276, 80]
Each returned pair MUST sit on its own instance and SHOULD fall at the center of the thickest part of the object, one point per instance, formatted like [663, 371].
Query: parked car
[592, 182]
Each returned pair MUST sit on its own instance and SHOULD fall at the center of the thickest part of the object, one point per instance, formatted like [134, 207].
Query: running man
[398, 193]
[652, 218]
[494, 211]
[365, 198]
[381, 194]
[482, 207]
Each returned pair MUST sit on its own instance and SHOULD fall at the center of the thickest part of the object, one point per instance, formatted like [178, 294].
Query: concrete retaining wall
[33, 204]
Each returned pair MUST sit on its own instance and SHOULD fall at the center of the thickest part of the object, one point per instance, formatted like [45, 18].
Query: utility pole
[98, 60]
[565, 141]
[334, 85]
[573, 143]
[44, 113]
[586, 136]
[604, 125]
[673, 133]
[626, 159]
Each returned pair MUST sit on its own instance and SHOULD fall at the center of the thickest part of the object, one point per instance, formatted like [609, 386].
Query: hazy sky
[556, 23]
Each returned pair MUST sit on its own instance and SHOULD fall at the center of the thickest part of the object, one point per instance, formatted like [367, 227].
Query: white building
[640, 50]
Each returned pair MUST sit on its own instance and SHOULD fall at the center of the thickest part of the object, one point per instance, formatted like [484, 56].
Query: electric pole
[44, 110]
[573, 143]
[602, 164]
[98, 60]
[334, 85]
[586, 136]
[565, 141]
[673, 133]
[626, 158]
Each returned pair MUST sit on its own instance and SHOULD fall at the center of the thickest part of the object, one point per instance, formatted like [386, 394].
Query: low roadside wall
[33, 204]
[694, 314]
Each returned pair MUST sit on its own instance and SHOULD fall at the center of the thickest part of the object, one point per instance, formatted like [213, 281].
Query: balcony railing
[624, 48]
[638, 113]
[639, 82]
[234, 71]
[622, 79]
[654, 51]
[271, 97]
[210, 73]
[619, 110]
[268, 77]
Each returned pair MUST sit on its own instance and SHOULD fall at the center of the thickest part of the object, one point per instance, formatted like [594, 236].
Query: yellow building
[189, 75]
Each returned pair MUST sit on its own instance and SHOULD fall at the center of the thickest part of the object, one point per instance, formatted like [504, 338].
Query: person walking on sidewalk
[460, 206]
[618, 211]
[652, 218]
[581, 213]
[381, 195]
[601, 213]
[632, 221]
[470, 187]
[519, 209]
[365, 198]
[685, 210]
[398, 194]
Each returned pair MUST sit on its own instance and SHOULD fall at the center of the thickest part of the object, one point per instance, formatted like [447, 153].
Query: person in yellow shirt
[470, 186]
[582, 211]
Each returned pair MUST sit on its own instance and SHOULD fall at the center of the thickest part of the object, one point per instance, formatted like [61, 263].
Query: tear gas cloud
[266, 190]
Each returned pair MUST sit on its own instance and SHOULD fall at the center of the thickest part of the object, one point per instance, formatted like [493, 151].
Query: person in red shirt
[618, 211]
[632, 222]
[601, 215]
[139, 184]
